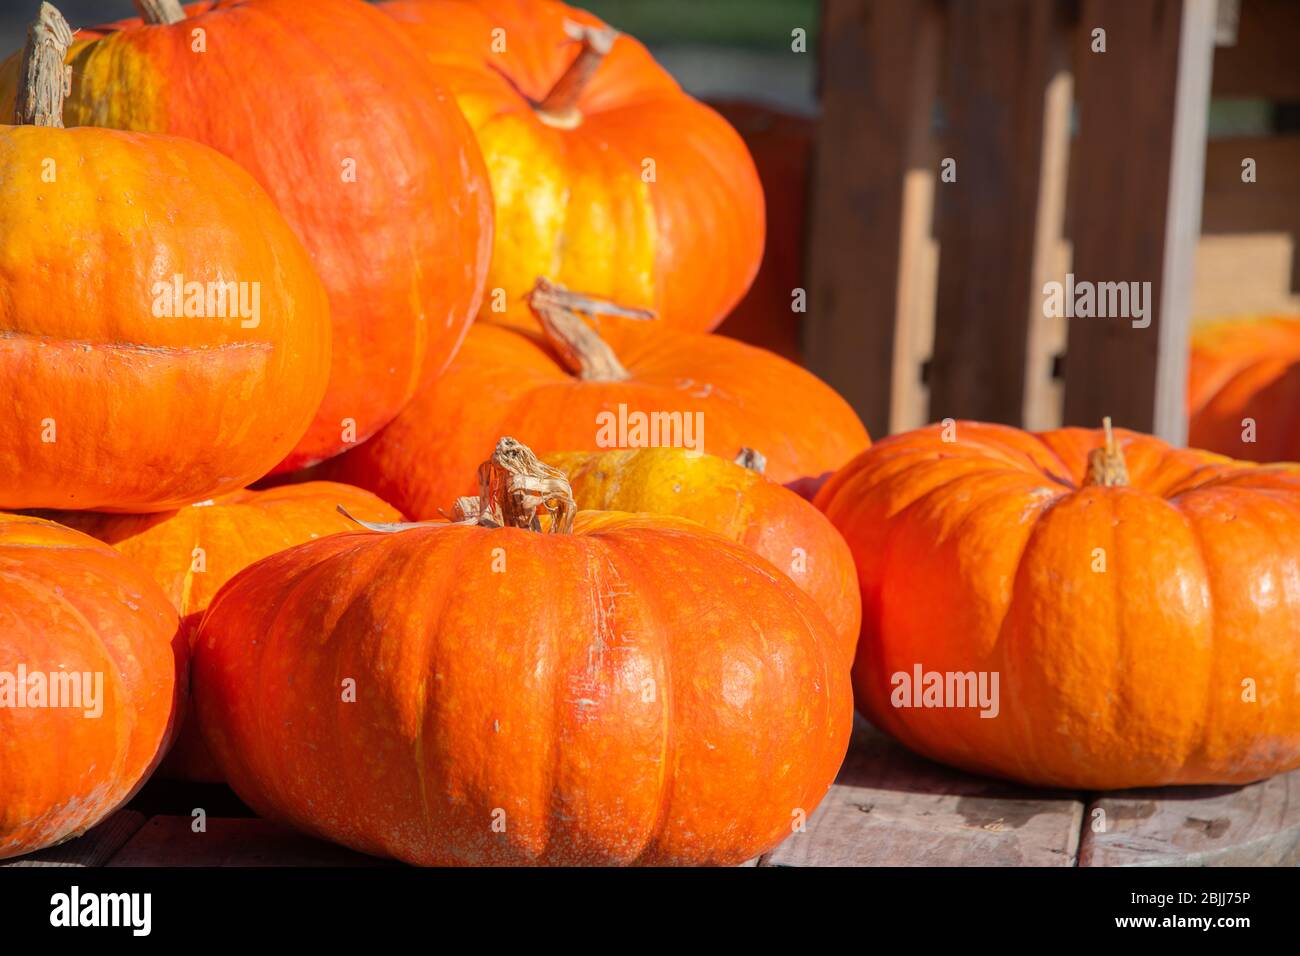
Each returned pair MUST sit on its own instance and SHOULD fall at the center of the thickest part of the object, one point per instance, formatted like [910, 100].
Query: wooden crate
[926, 296]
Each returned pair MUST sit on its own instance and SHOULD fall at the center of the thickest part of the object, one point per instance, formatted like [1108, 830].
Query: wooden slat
[93, 848]
[1046, 336]
[873, 73]
[1258, 825]
[1261, 62]
[1138, 180]
[171, 841]
[1271, 203]
[891, 808]
[1248, 259]
[918, 249]
[1002, 56]
[1243, 275]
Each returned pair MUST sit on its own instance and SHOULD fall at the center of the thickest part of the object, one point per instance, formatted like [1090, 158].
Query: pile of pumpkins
[332, 338]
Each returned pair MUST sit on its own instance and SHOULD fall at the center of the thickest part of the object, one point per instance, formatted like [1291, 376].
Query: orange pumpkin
[92, 681]
[781, 144]
[606, 176]
[734, 499]
[367, 157]
[193, 551]
[574, 389]
[122, 393]
[624, 689]
[1136, 602]
[1243, 393]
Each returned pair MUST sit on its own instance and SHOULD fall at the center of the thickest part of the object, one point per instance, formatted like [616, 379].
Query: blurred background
[715, 48]
[1124, 165]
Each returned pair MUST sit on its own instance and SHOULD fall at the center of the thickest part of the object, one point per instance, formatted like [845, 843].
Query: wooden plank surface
[93, 848]
[1137, 181]
[889, 807]
[1001, 59]
[872, 65]
[171, 841]
[1258, 825]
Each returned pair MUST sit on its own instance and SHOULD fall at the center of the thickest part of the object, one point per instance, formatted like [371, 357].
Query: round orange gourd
[118, 395]
[1137, 602]
[572, 389]
[606, 176]
[81, 627]
[332, 109]
[1243, 393]
[736, 501]
[782, 146]
[626, 689]
[193, 551]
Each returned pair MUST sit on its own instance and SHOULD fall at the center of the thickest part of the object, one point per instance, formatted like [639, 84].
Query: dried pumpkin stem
[755, 461]
[1106, 465]
[560, 105]
[581, 349]
[160, 11]
[514, 486]
[44, 80]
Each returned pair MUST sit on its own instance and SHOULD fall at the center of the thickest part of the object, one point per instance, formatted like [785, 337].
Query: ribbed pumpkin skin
[979, 555]
[572, 204]
[506, 382]
[233, 532]
[69, 603]
[146, 413]
[738, 504]
[782, 145]
[402, 246]
[1246, 368]
[637, 692]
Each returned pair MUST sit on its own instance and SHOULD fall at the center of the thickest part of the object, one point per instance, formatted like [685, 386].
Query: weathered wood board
[890, 807]
[171, 841]
[1257, 825]
[94, 848]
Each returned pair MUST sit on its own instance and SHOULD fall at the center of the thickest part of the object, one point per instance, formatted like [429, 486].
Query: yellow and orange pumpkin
[624, 689]
[606, 176]
[92, 682]
[1243, 391]
[1135, 603]
[366, 156]
[734, 499]
[126, 390]
[571, 388]
[193, 551]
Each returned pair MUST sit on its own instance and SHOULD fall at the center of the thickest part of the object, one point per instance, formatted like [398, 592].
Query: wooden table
[887, 808]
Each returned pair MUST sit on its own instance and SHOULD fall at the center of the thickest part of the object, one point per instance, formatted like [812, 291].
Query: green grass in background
[755, 24]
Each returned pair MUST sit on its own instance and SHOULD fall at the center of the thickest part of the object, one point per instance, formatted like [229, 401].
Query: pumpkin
[1243, 392]
[572, 388]
[128, 389]
[606, 175]
[522, 687]
[781, 144]
[1136, 604]
[92, 680]
[734, 499]
[192, 552]
[366, 155]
